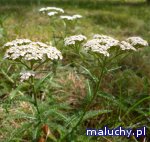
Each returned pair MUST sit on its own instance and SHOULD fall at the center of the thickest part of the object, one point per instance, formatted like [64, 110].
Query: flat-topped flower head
[72, 40]
[126, 46]
[71, 18]
[55, 9]
[77, 16]
[17, 42]
[106, 40]
[26, 75]
[95, 46]
[52, 13]
[42, 10]
[49, 9]
[137, 41]
[53, 53]
[32, 51]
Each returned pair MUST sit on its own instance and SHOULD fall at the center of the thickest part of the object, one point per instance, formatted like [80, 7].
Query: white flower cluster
[102, 43]
[126, 46]
[26, 75]
[52, 13]
[17, 42]
[32, 51]
[54, 9]
[71, 18]
[137, 41]
[107, 41]
[95, 46]
[72, 40]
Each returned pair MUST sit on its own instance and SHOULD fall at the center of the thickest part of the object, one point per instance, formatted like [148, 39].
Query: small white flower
[72, 40]
[71, 18]
[126, 46]
[52, 13]
[54, 9]
[95, 46]
[137, 41]
[26, 75]
[77, 16]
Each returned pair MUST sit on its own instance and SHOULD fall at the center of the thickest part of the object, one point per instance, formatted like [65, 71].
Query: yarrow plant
[107, 41]
[74, 43]
[32, 55]
[137, 41]
[71, 18]
[95, 46]
[31, 51]
[73, 40]
[104, 49]
[56, 16]
[99, 52]
[103, 44]
[124, 45]
[51, 9]
[26, 75]
[52, 13]
[70, 21]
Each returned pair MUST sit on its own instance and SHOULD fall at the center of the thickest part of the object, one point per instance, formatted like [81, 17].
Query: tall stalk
[91, 101]
[35, 99]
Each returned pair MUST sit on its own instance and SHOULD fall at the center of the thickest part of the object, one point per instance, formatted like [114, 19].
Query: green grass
[127, 90]
[117, 19]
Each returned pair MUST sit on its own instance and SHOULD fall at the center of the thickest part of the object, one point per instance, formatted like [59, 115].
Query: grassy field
[124, 95]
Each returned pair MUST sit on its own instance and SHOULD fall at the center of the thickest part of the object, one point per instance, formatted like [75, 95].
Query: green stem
[65, 29]
[54, 27]
[25, 65]
[35, 99]
[89, 103]
[40, 65]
